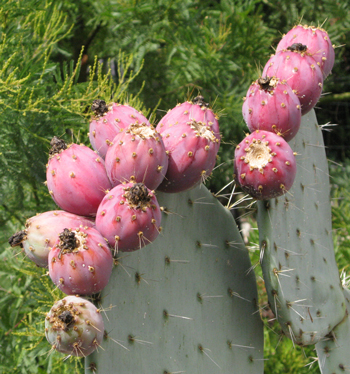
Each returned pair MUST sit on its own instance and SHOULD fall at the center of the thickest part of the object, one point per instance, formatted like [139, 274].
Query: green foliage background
[56, 57]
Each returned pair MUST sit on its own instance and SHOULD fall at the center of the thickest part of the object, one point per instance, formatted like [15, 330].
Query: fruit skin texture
[318, 44]
[41, 233]
[271, 105]
[74, 326]
[129, 217]
[264, 165]
[107, 123]
[192, 149]
[197, 110]
[77, 179]
[83, 268]
[301, 72]
[191, 137]
[138, 155]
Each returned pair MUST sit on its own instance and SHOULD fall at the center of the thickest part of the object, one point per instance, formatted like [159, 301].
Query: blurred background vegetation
[57, 56]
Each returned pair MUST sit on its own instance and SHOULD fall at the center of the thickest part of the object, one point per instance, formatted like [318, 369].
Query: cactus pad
[300, 272]
[333, 350]
[186, 302]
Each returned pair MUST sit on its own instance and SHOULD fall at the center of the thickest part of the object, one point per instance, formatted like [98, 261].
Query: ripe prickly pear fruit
[197, 110]
[41, 232]
[264, 165]
[295, 66]
[80, 262]
[74, 326]
[191, 137]
[129, 217]
[76, 177]
[137, 155]
[318, 44]
[192, 150]
[108, 121]
[271, 105]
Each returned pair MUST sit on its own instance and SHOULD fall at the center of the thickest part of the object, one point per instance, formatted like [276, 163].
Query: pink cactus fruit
[108, 121]
[196, 110]
[137, 155]
[300, 71]
[76, 177]
[41, 232]
[80, 263]
[74, 326]
[264, 165]
[129, 217]
[192, 148]
[318, 44]
[271, 105]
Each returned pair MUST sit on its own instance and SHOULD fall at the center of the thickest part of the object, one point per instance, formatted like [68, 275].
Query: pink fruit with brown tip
[129, 217]
[108, 121]
[264, 165]
[76, 177]
[192, 148]
[191, 137]
[41, 233]
[300, 71]
[318, 44]
[137, 155]
[80, 263]
[74, 326]
[196, 110]
[271, 105]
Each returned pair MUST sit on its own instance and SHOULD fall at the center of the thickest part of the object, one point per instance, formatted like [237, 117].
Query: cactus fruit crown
[142, 130]
[63, 317]
[71, 241]
[57, 145]
[202, 130]
[199, 100]
[258, 154]
[297, 47]
[68, 240]
[67, 318]
[18, 238]
[138, 196]
[99, 107]
[267, 83]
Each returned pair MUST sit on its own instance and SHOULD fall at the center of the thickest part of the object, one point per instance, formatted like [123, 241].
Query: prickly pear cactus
[185, 303]
[300, 272]
[333, 349]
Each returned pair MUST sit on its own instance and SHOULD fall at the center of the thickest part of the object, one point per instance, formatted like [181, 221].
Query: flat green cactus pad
[185, 303]
[333, 349]
[300, 272]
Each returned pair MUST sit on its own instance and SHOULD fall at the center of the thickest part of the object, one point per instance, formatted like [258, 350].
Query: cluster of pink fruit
[290, 86]
[108, 204]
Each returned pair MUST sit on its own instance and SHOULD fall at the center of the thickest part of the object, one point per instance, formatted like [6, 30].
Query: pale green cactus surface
[185, 303]
[300, 272]
[333, 349]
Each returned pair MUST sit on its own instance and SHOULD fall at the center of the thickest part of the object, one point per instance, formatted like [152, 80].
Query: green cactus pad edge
[295, 234]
